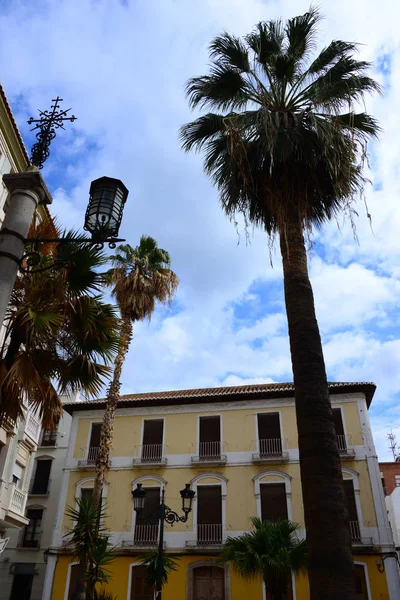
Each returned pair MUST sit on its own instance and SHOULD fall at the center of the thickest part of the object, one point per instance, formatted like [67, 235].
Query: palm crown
[58, 336]
[286, 139]
[271, 550]
[141, 276]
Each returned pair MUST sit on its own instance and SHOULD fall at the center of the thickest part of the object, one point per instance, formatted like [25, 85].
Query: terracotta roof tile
[220, 394]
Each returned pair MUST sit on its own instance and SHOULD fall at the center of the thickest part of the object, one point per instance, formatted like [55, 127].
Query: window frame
[34, 530]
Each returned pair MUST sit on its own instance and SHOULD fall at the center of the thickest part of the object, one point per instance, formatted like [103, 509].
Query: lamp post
[17, 252]
[162, 515]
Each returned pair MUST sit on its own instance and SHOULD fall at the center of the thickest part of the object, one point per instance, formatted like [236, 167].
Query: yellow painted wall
[240, 500]
[176, 587]
[239, 429]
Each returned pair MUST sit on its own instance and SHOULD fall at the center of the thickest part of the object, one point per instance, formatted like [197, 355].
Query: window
[273, 502]
[210, 437]
[21, 586]
[139, 588]
[269, 434]
[208, 583]
[209, 515]
[338, 422]
[73, 578]
[361, 583]
[146, 534]
[397, 480]
[18, 475]
[351, 510]
[153, 432]
[42, 475]
[49, 437]
[94, 443]
[32, 531]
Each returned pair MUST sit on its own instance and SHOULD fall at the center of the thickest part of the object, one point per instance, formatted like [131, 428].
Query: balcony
[355, 534]
[209, 453]
[12, 506]
[271, 451]
[88, 457]
[145, 536]
[346, 450]
[209, 536]
[150, 454]
[30, 431]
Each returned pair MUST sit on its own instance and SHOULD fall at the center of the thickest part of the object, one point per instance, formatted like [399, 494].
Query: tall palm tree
[271, 550]
[285, 148]
[140, 277]
[57, 336]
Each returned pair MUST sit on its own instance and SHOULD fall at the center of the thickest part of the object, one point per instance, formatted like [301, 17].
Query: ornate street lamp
[160, 516]
[103, 219]
[187, 496]
[106, 204]
[139, 496]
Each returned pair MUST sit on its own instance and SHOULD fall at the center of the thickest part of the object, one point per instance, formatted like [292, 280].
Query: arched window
[145, 534]
[209, 509]
[273, 495]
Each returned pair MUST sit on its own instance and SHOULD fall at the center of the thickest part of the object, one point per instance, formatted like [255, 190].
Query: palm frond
[231, 51]
[170, 563]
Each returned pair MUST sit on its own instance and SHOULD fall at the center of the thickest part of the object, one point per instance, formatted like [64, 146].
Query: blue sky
[122, 66]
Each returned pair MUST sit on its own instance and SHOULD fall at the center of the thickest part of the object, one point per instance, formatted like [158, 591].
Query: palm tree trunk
[330, 563]
[107, 431]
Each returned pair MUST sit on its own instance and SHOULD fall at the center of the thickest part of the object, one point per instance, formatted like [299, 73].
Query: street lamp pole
[163, 515]
[160, 548]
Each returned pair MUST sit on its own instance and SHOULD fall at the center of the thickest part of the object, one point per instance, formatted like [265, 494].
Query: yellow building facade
[237, 447]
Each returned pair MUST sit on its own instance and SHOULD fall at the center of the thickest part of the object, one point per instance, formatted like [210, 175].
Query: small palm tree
[140, 277]
[58, 334]
[90, 543]
[272, 551]
[170, 563]
[284, 144]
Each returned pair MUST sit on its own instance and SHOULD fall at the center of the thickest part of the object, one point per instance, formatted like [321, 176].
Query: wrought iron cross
[49, 121]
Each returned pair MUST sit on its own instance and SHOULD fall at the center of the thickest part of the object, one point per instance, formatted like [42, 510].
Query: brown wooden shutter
[209, 505]
[42, 475]
[86, 493]
[273, 502]
[268, 426]
[95, 435]
[350, 499]
[153, 432]
[139, 589]
[210, 429]
[73, 581]
[337, 419]
[361, 584]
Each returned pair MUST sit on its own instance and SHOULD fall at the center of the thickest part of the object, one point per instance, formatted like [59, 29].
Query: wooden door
[139, 588]
[209, 583]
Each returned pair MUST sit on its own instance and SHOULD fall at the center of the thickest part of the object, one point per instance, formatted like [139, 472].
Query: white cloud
[122, 67]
